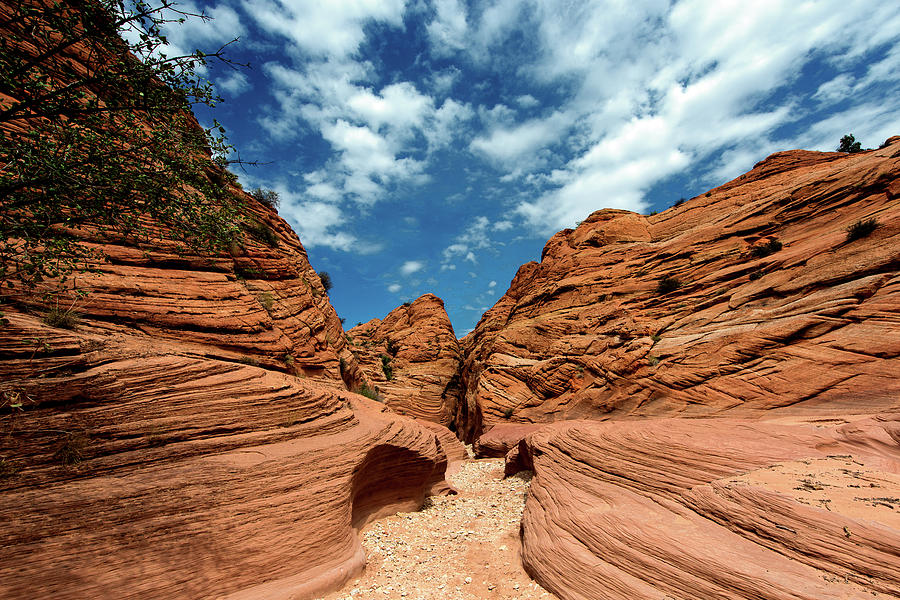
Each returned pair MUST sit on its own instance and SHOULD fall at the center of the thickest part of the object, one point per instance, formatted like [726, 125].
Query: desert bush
[8, 468]
[668, 284]
[507, 413]
[763, 250]
[262, 232]
[268, 197]
[368, 392]
[849, 144]
[325, 278]
[71, 450]
[680, 201]
[267, 301]
[62, 318]
[862, 228]
[386, 367]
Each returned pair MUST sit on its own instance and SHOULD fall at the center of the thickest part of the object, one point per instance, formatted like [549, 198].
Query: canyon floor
[457, 547]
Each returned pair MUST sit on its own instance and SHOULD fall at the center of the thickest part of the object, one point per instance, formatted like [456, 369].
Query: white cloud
[447, 31]
[326, 29]
[235, 84]
[510, 145]
[411, 266]
[656, 90]
[492, 284]
[527, 101]
[394, 288]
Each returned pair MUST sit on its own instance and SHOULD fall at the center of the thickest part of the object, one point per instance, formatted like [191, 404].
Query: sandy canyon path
[457, 547]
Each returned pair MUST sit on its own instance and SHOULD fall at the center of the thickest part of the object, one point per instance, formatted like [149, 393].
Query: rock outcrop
[136, 466]
[188, 433]
[412, 359]
[715, 508]
[748, 298]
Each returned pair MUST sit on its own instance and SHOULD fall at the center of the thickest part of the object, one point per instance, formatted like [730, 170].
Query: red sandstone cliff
[190, 435]
[412, 359]
[714, 508]
[593, 331]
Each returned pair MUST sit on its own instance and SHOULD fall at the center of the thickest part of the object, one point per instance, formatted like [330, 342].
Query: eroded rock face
[699, 311]
[136, 467]
[714, 508]
[191, 436]
[412, 359]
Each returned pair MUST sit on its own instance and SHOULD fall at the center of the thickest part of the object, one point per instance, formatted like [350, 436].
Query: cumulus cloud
[475, 237]
[394, 288]
[708, 85]
[325, 29]
[447, 32]
[235, 84]
[411, 266]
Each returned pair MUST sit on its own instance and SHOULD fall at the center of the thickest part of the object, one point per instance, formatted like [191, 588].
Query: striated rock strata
[412, 359]
[714, 508]
[135, 466]
[745, 299]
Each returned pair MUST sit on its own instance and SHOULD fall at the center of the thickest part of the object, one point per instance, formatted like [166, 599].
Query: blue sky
[434, 145]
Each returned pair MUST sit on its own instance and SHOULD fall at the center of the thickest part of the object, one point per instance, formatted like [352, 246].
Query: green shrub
[668, 284]
[368, 392]
[652, 360]
[507, 413]
[268, 197]
[325, 278]
[862, 228]
[680, 201]
[249, 360]
[262, 232]
[64, 319]
[392, 347]
[763, 250]
[849, 144]
[755, 275]
[386, 367]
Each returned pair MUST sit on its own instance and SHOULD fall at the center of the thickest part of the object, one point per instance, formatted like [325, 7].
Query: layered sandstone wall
[742, 300]
[412, 359]
[714, 508]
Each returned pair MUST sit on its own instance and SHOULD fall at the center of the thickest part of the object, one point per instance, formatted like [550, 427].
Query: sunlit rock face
[746, 299]
[185, 431]
[714, 508]
[412, 359]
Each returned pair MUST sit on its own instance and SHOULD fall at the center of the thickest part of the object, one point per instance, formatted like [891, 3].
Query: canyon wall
[176, 424]
[412, 359]
[746, 299]
[714, 508]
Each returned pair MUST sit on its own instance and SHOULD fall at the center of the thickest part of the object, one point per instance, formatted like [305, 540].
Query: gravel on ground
[461, 546]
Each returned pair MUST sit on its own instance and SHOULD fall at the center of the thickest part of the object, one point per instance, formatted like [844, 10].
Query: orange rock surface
[416, 346]
[699, 311]
[715, 508]
[136, 466]
[191, 436]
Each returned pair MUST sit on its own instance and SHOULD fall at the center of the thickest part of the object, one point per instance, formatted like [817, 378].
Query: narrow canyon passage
[456, 547]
